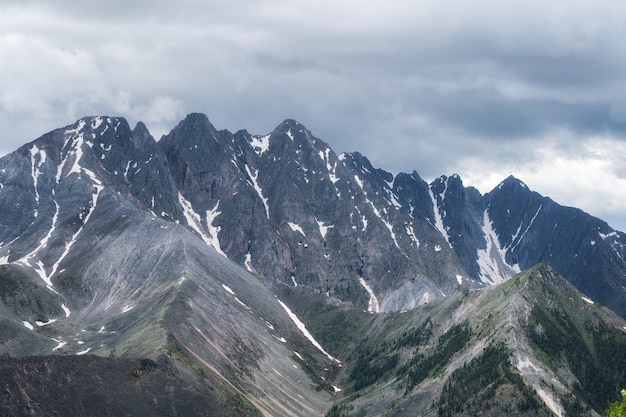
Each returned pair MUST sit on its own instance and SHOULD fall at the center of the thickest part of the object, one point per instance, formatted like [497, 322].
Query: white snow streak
[296, 228]
[61, 343]
[96, 122]
[248, 264]
[28, 325]
[195, 222]
[358, 181]
[411, 233]
[491, 260]
[228, 290]
[67, 310]
[76, 152]
[438, 218]
[373, 305]
[325, 157]
[42, 324]
[605, 237]
[211, 215]
[323, 229]
[525, 231]
[394, 200]
[76, 136]
[304, 331]
[588, 300]
[35, 170]
[39, 266]
[259, 190]
[68, 246]
[82, 352]
[377, 212]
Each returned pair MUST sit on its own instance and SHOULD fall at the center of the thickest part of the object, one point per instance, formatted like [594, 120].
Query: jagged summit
[511, 181]
[290, 125]
[360, 162]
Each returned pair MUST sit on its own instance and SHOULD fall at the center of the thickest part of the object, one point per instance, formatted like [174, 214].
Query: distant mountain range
[245, 271]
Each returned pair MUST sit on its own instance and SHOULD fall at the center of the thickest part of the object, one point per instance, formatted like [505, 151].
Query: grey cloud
[410, 85]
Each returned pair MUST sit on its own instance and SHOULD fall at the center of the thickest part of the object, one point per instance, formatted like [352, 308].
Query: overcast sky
[483, 89]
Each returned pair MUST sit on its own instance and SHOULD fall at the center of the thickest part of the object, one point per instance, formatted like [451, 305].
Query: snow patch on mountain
[492, 259]
[373, 306]
[195, 222]
[43, 243]
[253, 178]
[82, 352]
[260, 144]
[37, 159]
[46, 323]
[248, 263]
[296, 228]
[68, 246]
[323, 228]
[227, 289]
[325, 157]
[304, 331]
[438, 217]
[60, 344]
[588, 300]
[521, 237]
[96, 122]
[388, 225]
[75, 151]
[211, 215]
[411, 233]
[38, 266]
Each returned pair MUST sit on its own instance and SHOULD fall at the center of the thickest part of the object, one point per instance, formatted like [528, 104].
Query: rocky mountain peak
[194, 132]
[197, 245]
[141, 136]
[510, 184]
[361, 166]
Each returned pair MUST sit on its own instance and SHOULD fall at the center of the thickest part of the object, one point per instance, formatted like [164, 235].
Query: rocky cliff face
[286, 206]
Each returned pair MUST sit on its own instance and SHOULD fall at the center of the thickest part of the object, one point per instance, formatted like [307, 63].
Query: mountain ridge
[215, 249]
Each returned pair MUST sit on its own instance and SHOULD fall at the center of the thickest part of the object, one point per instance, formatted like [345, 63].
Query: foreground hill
[531, 346]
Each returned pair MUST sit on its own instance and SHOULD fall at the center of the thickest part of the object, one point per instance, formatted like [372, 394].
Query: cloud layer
[480, 88]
